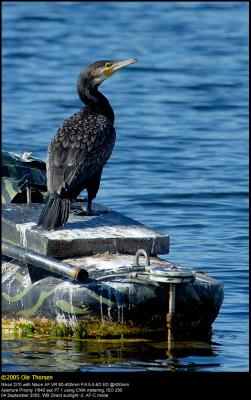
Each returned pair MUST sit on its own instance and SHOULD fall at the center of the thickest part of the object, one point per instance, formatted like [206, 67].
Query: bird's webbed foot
[76, 205]
[89, 212]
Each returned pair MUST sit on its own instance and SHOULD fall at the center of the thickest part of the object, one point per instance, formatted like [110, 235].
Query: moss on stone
[26, 328]
[92, 328]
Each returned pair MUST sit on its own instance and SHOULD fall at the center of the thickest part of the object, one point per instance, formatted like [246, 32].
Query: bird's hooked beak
[111, 67]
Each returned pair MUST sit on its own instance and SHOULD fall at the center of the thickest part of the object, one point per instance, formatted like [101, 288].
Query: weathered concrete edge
[32, 239]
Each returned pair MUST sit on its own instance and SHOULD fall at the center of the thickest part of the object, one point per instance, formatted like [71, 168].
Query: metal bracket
[25, 183]
[142, 252]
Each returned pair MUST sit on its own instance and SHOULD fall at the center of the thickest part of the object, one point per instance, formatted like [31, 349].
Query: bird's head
[94, 74]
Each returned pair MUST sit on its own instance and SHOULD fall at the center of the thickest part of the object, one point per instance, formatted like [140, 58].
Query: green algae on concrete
[81, 330]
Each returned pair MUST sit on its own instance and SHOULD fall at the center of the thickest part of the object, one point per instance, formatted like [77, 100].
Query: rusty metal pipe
[45, 262]
[170, 315]
[172, 298]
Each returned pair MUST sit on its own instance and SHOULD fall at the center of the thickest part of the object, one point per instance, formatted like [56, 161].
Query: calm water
[180, 163]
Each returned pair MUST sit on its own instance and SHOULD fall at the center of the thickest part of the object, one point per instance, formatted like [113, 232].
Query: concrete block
[82, 235]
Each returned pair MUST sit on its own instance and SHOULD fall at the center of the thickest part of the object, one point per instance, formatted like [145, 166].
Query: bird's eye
[108, 64]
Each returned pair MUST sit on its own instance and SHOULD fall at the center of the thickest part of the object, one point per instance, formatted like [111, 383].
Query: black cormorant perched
[81, 147]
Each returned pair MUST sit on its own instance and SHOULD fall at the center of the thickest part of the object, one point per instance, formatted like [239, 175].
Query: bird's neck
[97, 102]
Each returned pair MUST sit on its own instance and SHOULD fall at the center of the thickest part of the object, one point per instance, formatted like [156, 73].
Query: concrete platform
[111, 232]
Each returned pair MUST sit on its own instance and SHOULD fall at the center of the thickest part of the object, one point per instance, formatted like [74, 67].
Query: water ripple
[181, 156]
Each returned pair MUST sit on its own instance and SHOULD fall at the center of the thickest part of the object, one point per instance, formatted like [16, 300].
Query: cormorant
[81, 147]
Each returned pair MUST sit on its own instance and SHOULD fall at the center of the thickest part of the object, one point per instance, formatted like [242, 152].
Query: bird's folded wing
[77, 151]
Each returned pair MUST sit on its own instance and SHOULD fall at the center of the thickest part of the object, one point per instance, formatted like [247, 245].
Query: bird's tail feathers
[55, 212]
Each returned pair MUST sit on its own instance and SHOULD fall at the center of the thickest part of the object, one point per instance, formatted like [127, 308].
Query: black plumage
[81, 147]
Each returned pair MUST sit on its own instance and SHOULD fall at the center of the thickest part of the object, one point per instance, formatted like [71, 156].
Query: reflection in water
[40, 354]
